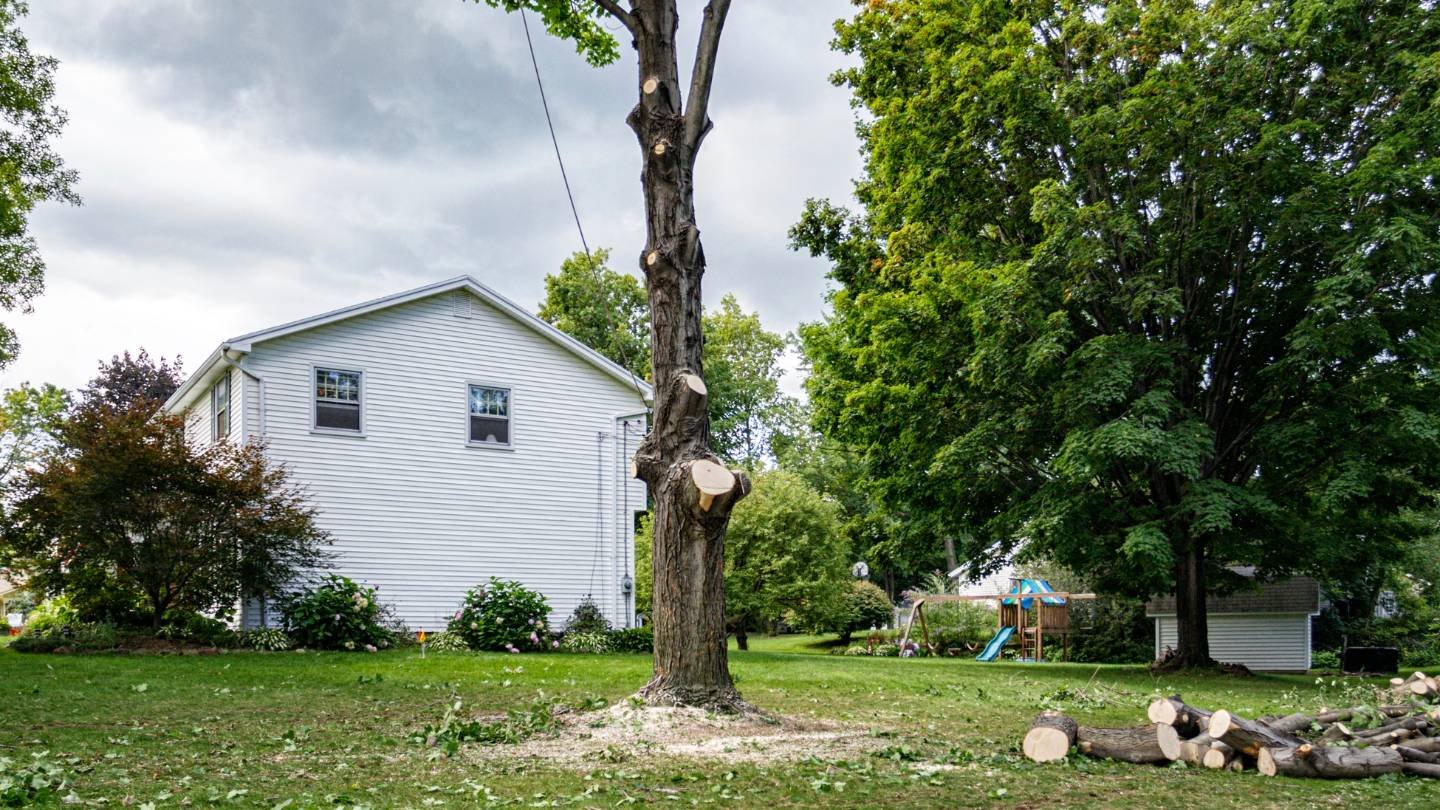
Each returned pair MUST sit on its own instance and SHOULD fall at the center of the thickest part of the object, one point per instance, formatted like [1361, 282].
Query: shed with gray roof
[1266, 627]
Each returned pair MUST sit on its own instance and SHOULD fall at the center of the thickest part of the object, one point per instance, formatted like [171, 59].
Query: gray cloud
[245, 164]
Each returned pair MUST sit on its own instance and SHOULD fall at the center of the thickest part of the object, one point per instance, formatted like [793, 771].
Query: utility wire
[575, 212]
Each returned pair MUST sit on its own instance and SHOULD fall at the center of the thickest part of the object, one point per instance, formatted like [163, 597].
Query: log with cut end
[1219, 757]
[1414, 723]
[1430, 745]
[1327, 762]
[1172, 711]
[1193, 750]
[1142, 745]
[1246, 736]
[1050, 737]
[1410, 754]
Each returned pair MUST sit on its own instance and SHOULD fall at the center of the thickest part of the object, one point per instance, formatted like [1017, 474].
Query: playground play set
[1031, 611]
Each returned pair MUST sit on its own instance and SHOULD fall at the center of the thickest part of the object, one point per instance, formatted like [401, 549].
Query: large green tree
[607, 311]
[1148, 288]
[601, 308]
[692, 491]
[30, 170]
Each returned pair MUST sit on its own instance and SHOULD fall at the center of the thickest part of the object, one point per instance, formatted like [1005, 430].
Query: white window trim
[314, 415]
[215, 434]
[510, 445]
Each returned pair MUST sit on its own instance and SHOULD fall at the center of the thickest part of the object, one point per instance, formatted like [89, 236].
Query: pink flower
[555, 645]
[532, 622]
[369, 648]
[534, 639]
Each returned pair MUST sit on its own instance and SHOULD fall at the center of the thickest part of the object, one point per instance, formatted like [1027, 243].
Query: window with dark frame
[220, 408]
[337, 399]
[489, 415]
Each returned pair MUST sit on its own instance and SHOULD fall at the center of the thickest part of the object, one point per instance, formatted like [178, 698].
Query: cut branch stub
[711, 480]
[650, 85]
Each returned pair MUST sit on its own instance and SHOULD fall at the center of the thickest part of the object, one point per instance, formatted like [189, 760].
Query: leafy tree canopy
[603, 309]
[123, 503]
[127, 380]
[1149, 287]
[30, 170]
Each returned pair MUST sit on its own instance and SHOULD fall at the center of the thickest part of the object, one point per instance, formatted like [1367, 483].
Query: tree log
[1050, 737]
[1142, 745]
[1415, 755]
[1327, 763]
[1430, 745]
[1421, 769]
[1193, 750]
[1291, 723]
[1248, 737]
[1413, 723]
[1172, 711]
[1219, 757]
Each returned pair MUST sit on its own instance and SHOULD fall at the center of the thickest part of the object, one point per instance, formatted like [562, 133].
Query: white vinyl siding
[413, 508]
[1262, 642]
[200, 416]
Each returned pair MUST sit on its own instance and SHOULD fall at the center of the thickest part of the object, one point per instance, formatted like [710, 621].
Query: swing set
[1031, 611]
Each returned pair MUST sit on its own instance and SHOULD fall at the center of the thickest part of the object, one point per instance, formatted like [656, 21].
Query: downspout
[245, 436]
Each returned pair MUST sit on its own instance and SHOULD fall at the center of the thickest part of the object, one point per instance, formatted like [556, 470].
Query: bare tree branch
[697, 119]
[618, 13]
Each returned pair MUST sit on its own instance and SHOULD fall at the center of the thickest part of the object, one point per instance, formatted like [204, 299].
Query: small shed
[1265, 627]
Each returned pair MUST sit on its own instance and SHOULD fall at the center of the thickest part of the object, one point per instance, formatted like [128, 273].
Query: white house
[1266, 628]
[445, 435]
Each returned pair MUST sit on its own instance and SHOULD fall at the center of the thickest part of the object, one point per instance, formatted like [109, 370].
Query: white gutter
[225, 349]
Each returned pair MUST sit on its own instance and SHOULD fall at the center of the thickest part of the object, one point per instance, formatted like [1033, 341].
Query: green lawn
[256, 730]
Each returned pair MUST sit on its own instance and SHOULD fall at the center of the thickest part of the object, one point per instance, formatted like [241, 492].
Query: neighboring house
[1266, 628]
[1000, 581]
[445, 435]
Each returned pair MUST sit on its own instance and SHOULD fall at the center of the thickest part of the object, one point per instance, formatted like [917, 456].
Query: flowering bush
[585, 643]
[503, 615]
[268, 639]
[339, 614]
[446, 642]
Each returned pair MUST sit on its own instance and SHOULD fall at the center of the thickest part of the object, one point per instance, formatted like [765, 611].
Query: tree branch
[697, 119]
[618, 13]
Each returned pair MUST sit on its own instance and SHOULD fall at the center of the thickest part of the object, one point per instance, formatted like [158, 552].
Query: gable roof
[242, 344]
[1294, 595]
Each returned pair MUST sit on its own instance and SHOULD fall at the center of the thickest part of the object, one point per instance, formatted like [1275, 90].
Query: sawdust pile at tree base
[624, 732]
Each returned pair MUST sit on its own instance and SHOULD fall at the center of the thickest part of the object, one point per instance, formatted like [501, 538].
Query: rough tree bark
[1193, 644]
[693, 494]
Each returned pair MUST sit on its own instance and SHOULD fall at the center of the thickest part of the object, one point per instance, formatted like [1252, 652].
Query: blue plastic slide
[992, 650]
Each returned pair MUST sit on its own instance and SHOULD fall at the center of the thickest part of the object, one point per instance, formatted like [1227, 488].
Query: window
[337, 400]
[220, 408]
[489, 415]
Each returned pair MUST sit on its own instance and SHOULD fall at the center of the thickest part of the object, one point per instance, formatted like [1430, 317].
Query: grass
[260, 730]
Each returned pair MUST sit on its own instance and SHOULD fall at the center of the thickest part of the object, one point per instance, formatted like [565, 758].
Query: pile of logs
[1402, 735]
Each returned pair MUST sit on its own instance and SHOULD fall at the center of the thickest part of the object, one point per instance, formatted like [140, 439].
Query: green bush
[4, 626]
[39, 781]
[585, 643]
[51, 616]
[959, 624]
[76, 637]
[502, 615]
[864, 607]
[632, 640]
[338, 614]
[1325, 659]
[587, 618]
[266, 639]
[447, 642]
[1118, 632]
[188, 626]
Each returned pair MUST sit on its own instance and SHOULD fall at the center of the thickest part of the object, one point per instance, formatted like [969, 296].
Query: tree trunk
[742, 639]
[692, 493]
[1152, 744]
[1050, 737]
[1190, 616]
[1328, 763]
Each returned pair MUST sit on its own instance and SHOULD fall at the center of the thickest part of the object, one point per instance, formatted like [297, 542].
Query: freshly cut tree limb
[1430, 745]
[1421, 769]
[1219, 757]
[1327, 763]
[1291, 723]
[1172, 711]
[1050, 737]
[711, 481]
[1413, 723]
[1246, 736]
[1193, 750]
[1142, 745]
[1415, 755]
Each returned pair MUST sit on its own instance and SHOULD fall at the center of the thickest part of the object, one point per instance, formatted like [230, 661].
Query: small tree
[123, 495]
[786, 556]
[601, 308]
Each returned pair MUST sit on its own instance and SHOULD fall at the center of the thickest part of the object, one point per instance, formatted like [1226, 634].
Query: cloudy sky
[245, 164]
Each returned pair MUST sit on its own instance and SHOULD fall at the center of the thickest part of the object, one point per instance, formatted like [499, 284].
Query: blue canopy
[1034, 586]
